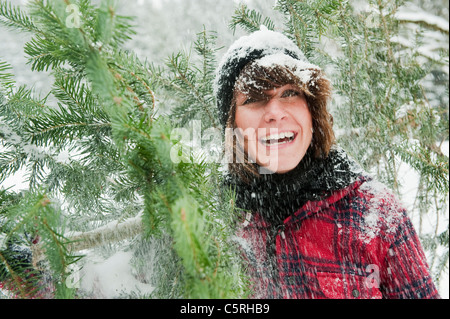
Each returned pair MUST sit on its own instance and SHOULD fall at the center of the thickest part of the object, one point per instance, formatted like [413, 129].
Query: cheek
[304, 119]
[238, 119]
[247, 123]
[242, 119]
[243, 125]
[308, 127]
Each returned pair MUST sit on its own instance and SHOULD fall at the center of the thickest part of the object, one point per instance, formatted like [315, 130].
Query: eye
[252, 101]
[291, 93]
[249, 101]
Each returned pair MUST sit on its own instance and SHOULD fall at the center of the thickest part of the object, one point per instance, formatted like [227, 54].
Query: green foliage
[189, 78]
[24, 220]
[13, 18]
[118, 162]
[307, 21]
[11, 266]
[250, 20]
[173, 204]
[6, 78]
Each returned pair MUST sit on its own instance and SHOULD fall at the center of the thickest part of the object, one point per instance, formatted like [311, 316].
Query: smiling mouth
[278, 139]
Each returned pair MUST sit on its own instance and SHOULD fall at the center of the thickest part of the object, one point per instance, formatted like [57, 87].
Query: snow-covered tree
[118, 161]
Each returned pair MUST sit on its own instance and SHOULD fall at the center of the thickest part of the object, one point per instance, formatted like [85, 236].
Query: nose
[274, 111]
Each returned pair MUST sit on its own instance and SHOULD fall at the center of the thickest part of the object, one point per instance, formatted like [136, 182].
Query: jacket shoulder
[382, 212]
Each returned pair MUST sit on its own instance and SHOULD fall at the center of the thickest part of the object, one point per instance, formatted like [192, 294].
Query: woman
[317, 226]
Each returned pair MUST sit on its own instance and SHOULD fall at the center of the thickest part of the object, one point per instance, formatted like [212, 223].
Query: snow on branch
[425, 19]
[111, 232]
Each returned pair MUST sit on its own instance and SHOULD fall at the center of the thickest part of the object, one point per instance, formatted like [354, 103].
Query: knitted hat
[264, 46]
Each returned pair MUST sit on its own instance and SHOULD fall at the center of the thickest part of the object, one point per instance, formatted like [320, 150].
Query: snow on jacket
[357, 243]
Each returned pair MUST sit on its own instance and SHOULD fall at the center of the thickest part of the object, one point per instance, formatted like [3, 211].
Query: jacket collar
[309, 209]
[312, 207]
[278, 199]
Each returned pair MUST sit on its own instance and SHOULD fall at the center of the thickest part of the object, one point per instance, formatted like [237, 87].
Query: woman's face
[277, 131]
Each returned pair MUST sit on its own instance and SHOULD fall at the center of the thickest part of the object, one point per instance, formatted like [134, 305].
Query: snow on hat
[267, 48]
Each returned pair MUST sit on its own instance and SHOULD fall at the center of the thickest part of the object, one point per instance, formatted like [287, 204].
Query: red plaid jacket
[357, 243]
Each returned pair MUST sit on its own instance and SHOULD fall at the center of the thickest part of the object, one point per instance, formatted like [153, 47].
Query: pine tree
[119, 167]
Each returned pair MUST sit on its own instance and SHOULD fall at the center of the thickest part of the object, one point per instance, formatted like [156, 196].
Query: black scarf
[276, 196]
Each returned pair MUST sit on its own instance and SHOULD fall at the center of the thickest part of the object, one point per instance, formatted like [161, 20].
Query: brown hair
[254, 80]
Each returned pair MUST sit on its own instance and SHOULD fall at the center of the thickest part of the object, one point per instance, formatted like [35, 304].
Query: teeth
[275, 138]
[278, 136]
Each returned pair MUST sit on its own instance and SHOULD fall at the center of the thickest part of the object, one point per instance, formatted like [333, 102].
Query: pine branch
[35, 215]
[249, 20]
[6, 79]
[150, 157]
[20, 107]
[436, 23]
[204, 46]
[16, 273]
[114, 231]
[111, 28]
[14, 18]
[16, 284]
[191, 83]
[10, 163]
[420, 159]
[307, 21]
[107, 116]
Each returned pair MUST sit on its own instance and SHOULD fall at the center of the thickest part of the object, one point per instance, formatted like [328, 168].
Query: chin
[279, 168]
[284, 170]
